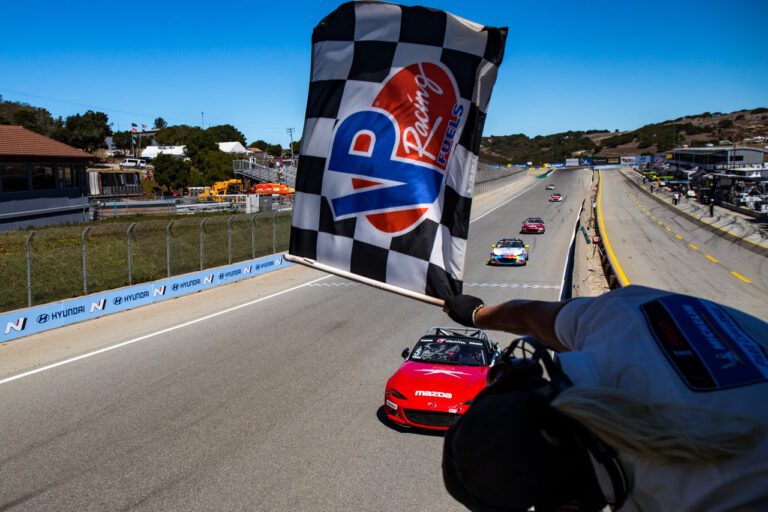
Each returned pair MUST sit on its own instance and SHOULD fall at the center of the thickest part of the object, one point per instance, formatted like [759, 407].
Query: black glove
[461, 308]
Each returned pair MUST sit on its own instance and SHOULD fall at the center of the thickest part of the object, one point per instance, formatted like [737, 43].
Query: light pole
[290, 134]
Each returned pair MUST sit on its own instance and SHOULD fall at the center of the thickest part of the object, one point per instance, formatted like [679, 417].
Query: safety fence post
[229, 239]
[168, 248]
[202, 222]
[85, 272]
[253, 236]
[29, 271]
[128, 239]
[274, 232]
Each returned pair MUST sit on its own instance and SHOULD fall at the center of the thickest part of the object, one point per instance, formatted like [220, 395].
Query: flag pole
[365, 280]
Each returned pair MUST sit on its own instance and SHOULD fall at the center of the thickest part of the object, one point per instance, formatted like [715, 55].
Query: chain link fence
[59, 263]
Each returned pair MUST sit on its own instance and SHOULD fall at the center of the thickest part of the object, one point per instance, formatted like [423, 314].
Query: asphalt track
[657, 245]
[261, 395]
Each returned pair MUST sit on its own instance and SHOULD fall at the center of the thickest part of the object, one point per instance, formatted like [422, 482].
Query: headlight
[397, 395]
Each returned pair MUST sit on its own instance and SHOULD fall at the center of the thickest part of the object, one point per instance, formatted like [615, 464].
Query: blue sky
[568, 65]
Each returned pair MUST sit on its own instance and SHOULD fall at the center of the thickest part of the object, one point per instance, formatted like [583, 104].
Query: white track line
[150, 335]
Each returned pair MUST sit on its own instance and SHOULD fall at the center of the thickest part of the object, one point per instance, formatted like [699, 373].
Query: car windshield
[510, 243]
[533, 220]
[449, 351]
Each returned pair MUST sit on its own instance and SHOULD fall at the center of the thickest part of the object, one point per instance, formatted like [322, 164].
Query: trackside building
[42, 181]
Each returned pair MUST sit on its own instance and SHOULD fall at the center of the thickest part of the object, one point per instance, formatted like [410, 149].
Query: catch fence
[47, 265]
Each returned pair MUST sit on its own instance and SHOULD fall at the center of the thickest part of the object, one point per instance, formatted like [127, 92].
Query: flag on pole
[397, 101]
[144, 127]
[134, 130]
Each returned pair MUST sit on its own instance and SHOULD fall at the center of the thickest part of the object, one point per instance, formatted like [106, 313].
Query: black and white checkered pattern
[354, 51]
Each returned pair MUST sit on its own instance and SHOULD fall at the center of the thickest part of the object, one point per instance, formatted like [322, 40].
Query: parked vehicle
[133, 163]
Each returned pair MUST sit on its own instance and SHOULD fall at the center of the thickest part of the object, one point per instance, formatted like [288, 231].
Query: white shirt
[673, 348]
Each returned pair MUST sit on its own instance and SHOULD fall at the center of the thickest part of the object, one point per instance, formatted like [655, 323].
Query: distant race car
[533, 225]
[439, 378]
[509, 251]
[550, 186]
[555, 197]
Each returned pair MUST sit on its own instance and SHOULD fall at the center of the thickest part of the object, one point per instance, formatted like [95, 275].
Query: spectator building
[42, 181]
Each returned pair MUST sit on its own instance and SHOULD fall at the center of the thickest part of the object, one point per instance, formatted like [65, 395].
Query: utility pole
[202, 120]
[290, 134]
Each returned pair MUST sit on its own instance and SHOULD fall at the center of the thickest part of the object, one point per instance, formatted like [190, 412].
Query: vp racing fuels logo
[388, 162]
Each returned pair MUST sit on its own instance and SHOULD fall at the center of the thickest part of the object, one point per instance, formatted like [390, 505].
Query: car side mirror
[405, 353]
[527, 245]
[493, 246]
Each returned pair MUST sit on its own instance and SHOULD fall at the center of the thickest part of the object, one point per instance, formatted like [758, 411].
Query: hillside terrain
[693, 131]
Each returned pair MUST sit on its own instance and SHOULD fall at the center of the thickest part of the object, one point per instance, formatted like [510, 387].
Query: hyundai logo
[41, 319]
[117, 301]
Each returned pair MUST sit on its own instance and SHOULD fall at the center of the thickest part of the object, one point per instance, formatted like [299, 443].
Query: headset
[517, 378]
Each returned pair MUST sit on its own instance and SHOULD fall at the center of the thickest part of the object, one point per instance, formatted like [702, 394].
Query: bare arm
[533, 318]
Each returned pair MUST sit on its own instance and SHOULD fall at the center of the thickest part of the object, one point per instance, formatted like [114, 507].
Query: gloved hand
[462, 307]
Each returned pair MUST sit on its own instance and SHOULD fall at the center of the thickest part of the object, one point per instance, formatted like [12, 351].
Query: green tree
[226, 133]
[122, 140]
[160, 123]
[173, 173]
[198, 141]
[176, 135]
[214, 165]
[87, 131]
[276, 150]
[262, 145]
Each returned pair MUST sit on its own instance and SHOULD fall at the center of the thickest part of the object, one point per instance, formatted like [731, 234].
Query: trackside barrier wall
[606, 261]
[37, 319]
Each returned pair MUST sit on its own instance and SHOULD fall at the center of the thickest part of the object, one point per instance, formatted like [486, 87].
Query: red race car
[533, 225]
[555, 197]
[439, 378]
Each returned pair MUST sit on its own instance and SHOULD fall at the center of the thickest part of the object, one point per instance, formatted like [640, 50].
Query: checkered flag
[397, 102]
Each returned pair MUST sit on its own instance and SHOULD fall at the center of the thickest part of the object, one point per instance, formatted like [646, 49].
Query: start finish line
[24, 322]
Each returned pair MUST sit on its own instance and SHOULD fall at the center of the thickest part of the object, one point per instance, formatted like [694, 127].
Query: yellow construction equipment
[222, 188]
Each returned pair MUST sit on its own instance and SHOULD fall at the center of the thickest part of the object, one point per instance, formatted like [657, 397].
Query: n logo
[159, 291]
[18, 326]
[208, 280]
[98, 305]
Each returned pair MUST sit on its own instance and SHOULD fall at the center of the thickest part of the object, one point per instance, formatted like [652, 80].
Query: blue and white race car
[509, 251]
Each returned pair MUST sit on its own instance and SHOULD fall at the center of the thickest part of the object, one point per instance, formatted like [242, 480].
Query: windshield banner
[397, 101]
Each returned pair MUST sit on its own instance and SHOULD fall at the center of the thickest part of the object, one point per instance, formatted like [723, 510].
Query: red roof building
[42, 181]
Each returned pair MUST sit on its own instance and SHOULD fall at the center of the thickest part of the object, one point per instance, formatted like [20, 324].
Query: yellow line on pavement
[741, 277]
[667, 228]
[710, 257]
[693, 247]
[679, 237]
[622, 277]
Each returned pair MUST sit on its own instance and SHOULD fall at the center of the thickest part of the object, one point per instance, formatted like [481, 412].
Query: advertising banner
[49, 316]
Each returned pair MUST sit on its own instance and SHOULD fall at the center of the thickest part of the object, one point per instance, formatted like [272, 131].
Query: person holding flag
[655, 401]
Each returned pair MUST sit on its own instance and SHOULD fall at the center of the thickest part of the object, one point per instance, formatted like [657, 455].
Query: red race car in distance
[439, 378]
[555, 197]
[533, 225]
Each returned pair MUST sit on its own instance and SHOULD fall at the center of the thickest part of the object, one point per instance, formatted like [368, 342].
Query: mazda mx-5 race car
[550, 186]
[555, 197]
[509, 251]
[533, 225]
[439, 378]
